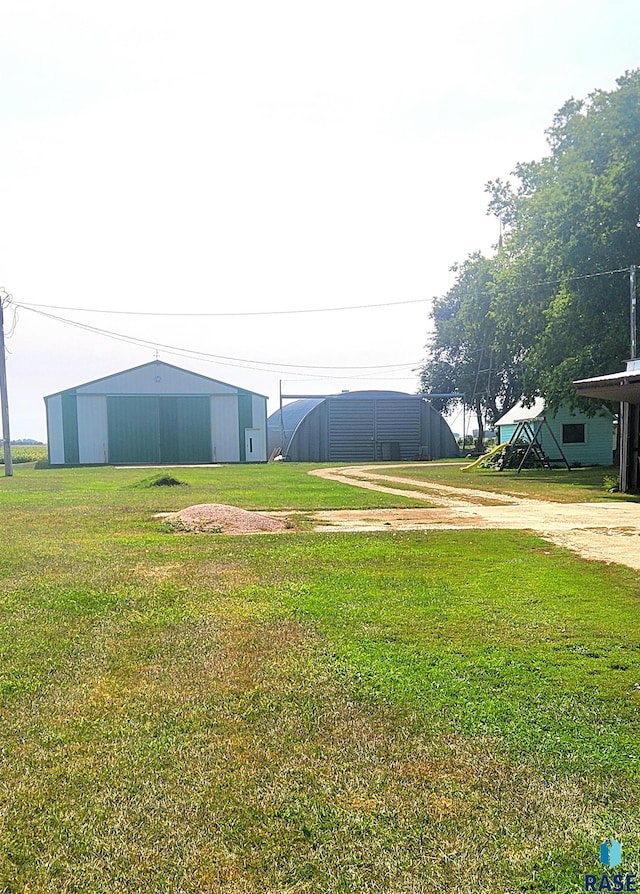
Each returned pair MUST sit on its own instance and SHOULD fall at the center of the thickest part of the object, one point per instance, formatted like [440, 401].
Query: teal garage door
[185, 429]
[159, 429]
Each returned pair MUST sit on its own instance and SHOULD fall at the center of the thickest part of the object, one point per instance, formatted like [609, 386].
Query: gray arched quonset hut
[156, 413]
[361, 426]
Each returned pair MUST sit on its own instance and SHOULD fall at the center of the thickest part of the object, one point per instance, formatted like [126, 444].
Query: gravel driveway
[608, 531]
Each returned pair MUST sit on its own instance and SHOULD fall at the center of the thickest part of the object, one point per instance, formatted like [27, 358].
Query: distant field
[28, 453]
[323, 713]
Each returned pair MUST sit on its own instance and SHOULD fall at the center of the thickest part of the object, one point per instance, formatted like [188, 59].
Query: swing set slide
[484, 457]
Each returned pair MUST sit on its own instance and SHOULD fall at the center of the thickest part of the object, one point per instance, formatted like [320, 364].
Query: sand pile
[218, 518]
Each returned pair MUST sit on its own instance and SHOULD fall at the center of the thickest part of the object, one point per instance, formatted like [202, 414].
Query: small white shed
[156, 414]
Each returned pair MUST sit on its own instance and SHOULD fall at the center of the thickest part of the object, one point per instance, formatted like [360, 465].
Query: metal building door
[252, 444]
[159, 429]
[352, 430]
[133, 426]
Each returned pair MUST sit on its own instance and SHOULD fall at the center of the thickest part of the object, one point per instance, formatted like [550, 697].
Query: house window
[573, 433]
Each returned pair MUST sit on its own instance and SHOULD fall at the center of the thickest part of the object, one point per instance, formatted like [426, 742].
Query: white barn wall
[55, 430]
[143, 381]
[224, 429]
[93, 436]
[259, 411]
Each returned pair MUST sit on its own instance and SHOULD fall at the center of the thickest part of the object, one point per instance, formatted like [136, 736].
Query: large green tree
[557, 305]
[465, 355]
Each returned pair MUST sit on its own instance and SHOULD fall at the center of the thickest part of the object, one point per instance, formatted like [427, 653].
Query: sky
[223, 173]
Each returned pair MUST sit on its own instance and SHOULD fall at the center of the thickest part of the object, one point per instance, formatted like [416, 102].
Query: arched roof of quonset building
[361, 426]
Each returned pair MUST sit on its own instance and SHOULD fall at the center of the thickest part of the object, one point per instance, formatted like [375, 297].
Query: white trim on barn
[93, 432]
[224, 426]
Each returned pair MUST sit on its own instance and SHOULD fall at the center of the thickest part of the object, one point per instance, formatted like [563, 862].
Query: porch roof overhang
[623, 387]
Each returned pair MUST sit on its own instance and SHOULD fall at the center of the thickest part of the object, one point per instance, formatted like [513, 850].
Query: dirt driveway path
[609, 531]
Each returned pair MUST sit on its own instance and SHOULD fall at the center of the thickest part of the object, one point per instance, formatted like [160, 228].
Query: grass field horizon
[400, 712]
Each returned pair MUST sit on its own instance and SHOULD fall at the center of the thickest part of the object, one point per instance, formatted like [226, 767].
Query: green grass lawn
[303, 712]
[577, 486]
[274, 486]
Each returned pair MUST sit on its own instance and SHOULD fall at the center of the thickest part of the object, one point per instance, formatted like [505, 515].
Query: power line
[245, 313]
[273, 313]
[558, 282]
[243, 362]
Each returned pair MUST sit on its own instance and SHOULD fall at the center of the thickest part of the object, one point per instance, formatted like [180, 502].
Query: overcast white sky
[230, 157]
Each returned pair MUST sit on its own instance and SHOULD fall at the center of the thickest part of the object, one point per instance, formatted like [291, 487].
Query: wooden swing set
[530, 432]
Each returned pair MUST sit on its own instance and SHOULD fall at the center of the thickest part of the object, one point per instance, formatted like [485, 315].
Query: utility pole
[4, 400]
[633, 312]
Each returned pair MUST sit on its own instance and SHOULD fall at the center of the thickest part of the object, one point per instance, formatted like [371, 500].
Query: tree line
[552, 303]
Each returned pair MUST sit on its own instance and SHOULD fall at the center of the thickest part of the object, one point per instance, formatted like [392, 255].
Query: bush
[161, 480]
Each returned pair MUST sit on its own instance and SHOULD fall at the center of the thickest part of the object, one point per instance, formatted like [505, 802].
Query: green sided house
[586, 441]
[156, 414]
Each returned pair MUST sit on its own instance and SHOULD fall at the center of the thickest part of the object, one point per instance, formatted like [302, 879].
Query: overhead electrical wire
[14, 323]
[558, 282]
[244, 313]
[293, 311]
[242, 362]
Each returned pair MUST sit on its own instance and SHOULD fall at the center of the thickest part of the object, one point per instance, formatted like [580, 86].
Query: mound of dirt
[161, 481]
[167, 481]
[218, 518]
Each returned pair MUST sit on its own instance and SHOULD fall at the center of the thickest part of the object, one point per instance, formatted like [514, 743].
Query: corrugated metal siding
[55, 436]
[224, 429]
[245, 420]
[351, 430]
[436, 438]
[154, 413]
[134, 429]
[158, 379]
[70, 428]
[363, 426]
[309, 442]
[397, 428]
[194, 429]
[166, 429]
[93, 437]
[259, 411]
[292, 415]
[185, 429]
